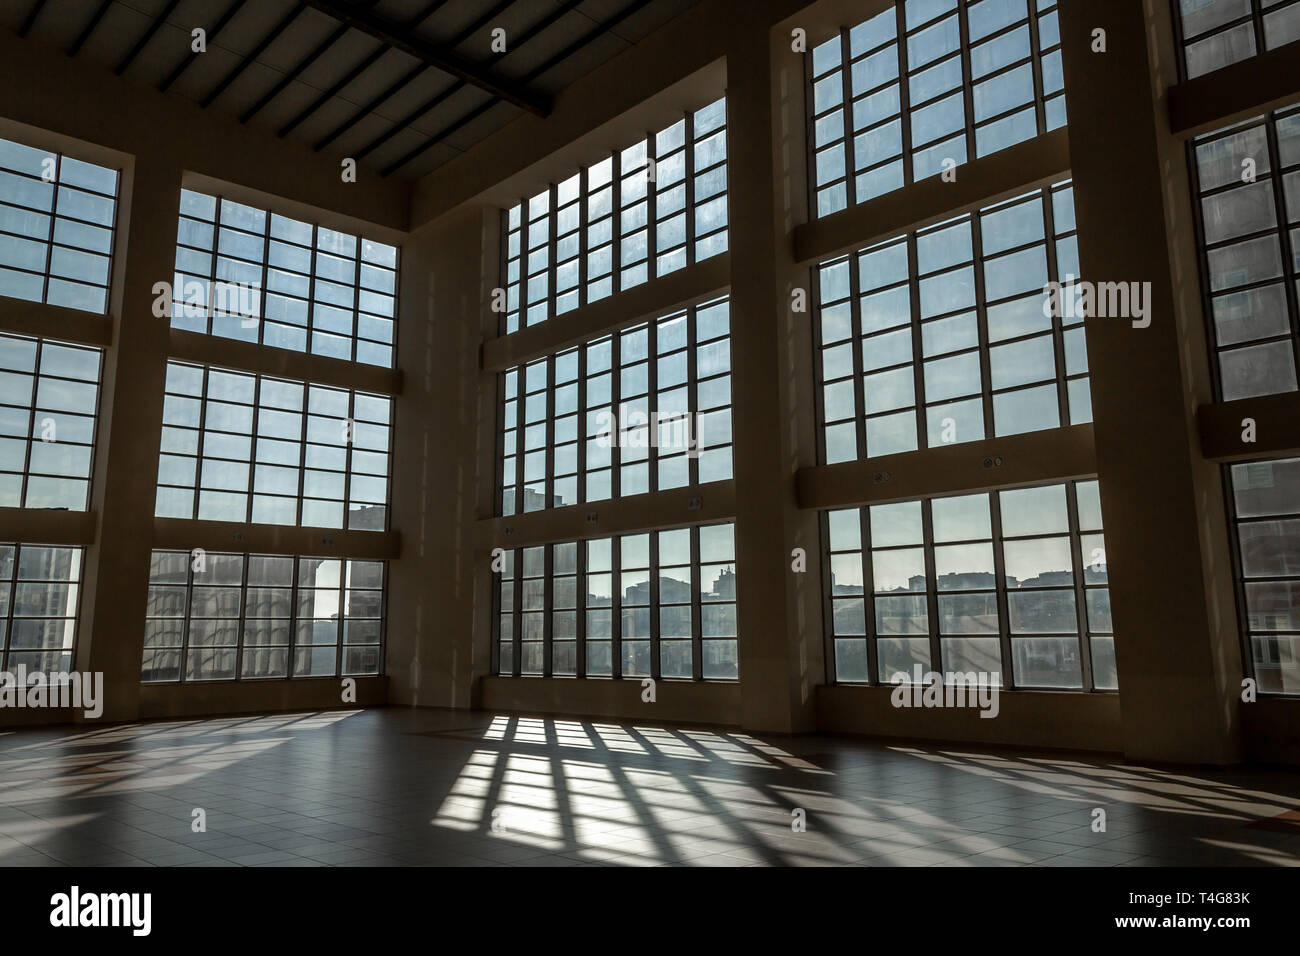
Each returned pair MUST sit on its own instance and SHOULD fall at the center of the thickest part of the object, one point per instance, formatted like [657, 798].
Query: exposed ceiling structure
[399, 85]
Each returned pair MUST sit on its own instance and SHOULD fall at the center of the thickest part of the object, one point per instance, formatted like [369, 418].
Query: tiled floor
[407, 787]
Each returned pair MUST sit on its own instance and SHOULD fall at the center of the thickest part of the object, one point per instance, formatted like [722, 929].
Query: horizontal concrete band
[1251, 87]
[1036, 458]
[981, 182]
[677, 290]
[55, 322]
[186, 535]
[1250, 427]
[47, 526]
[697, 504]
[251, 357]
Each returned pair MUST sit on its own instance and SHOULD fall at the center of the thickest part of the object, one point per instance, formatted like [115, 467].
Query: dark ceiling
[401, 86]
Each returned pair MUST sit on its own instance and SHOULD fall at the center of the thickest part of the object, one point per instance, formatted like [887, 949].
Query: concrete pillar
[1169, 566]
[439, 594]
[130, 433]
[779, 611]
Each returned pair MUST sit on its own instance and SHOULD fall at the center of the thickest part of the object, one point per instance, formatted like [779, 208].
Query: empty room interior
[649, 433]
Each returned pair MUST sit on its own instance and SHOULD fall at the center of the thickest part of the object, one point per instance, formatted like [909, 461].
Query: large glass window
[641, 410]
[927, 85]
[1247, 181]
[220, 616]
[1011, 584]
[1218, 32]
[660, 604]
[644, 211]
[49, 394]
[41, 590]
[1265, 499]
[57, 216]
[943, 336]
[245, 273]
[244, 447]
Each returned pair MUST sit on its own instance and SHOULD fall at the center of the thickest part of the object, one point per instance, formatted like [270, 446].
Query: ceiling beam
[293, 74]
[140, 44]
[352, 74]
[298, 69]
[376, 101]
[599, 30]
[440, 98]
[253, 54]
[89, 28]
[436, 56]
[186, 63]
[32, 14]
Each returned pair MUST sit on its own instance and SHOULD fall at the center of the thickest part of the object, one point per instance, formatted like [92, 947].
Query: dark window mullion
[31, 425]
[828, 598]
[1000, 586]
[582, 237]
[652, 404]
[350, 433]
[846, 82]
[517, 621]
[1238, 576]
[857, 343]
[504, 316]
[189, 605]
[252, 447]
[211, 304]
[54, 217]
[688, 188]
[616, 222]
[1080, 590]
[1058, 322]
[552, 247]
[656, 669]
[580, 594]
[904, 94]
[616, 608]
[982, 326]
[1036, 59]
[932, 586]
[651, 208]
[697, 613]
[918, 346]
[203, 444]
[968, 83]
[869, 596]
[548, 607]
[498, 585]
[616, 412]
[243, 617]
[692, 395]
[548, 441]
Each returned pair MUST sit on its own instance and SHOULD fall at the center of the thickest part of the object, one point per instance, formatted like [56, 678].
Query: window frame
[512, 573]
[1084, 634]
[294, 620]
[7, 618]
[1282, 229]
[516, 433]
[1036, 11]
[303, 443]
[50, 244]
[517, 222]
[977, 263]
